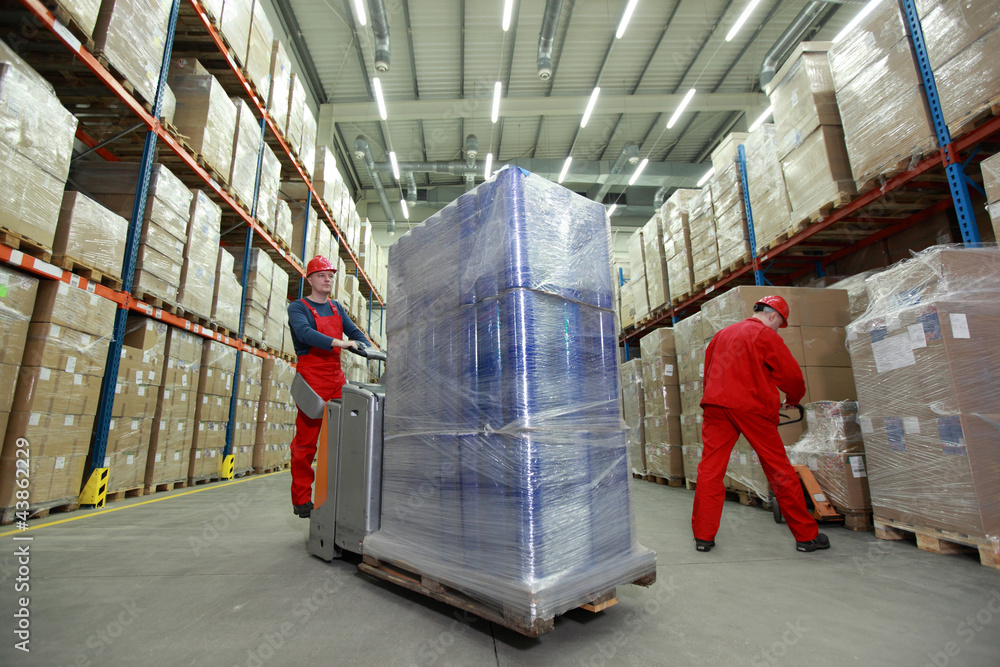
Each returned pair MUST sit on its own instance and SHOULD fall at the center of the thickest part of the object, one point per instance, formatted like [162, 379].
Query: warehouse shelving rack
[46, 41]
[935, 184]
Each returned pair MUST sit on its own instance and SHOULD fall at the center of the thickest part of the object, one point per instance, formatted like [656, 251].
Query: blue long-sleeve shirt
[303, 326]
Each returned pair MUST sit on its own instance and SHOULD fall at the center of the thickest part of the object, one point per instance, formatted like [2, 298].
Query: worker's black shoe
[703, 545]
[303, 510]
[821, 541]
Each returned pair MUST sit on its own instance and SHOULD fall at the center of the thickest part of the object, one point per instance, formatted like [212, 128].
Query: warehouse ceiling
[445, 57]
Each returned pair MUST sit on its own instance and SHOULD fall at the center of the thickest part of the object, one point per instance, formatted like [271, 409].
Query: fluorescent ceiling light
[742, 19]
[565, 169]
[497, 89]
[704, 179]
[590, 106]
[359, 7]
[625, 18]
[395, 165]
[508, 10]
[379, 100]
[856, 20]
[680, 109]
[489, 165]
[611, 210]
[638, 170]
[760, 119]
[406, 209]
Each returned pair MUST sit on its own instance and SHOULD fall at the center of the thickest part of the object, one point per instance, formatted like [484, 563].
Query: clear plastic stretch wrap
[275, 415]
[833, 449]
[283, 228]
[926, 367]
[267, 195]
[235, 26]
[677, 242]
[991, 178]
[168, 108]
[131, 35]
[657, 290]
[689, 341]
[802, 94]
[704, 247]
[857, 292]
[90, 235]
[228, 294]
[326, 179]
[34, 122]
[731, 231]
[281, 80]
[258, 62]
[768, 194]
[296, 113]
[725, 154]
[245, 148]
[970, 82]
[636, 256]
[661, 396]
[308, 151]
[201, 256]
[16, 308]
[206, 116]
[173, 425]
[818, 173]
[505, 469]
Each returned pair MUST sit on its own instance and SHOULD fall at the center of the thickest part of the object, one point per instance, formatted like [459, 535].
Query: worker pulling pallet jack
[318, 325]
[745, 365]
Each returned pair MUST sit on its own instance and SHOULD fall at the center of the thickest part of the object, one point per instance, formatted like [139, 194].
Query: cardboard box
[30, 198]
[970, 82]
[34, 122]
[768, 194]
[658, 342]
[207, 116]
[296, 113]
[131, 34]
[639, 299]
[817, 172]
[73, 308]
[281, 80]
[90, 234]
[235, 26]
[245, 149]
[824, 346]
[725, 154]
[950, 27]
[991, 178]
[826, 383]
[17, 296]
[258, 60]
[803, 96]
[55, 347]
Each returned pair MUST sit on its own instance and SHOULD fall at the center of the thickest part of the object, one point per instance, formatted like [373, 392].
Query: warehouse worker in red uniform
[745, 365]
[318, 325]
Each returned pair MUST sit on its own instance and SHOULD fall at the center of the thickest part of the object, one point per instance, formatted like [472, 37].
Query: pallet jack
[822, 510]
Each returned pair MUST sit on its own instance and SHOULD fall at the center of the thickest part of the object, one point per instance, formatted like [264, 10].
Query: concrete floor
[220, 576]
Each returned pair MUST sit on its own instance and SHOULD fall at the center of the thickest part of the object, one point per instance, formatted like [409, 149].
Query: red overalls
[321, 369]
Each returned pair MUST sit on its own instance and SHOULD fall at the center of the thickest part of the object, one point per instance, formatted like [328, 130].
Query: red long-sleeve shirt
[745, 365]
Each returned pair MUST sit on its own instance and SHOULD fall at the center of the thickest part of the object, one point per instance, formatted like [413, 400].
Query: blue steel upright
[741, 156]
[105, 404]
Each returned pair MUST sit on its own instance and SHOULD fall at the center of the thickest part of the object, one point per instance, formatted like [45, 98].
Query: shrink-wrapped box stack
[36, 144]
[215, 390]
[267, 195]
[83, 12]
[857, 292]
[275, 416]
[164, 226]
[991, 183]
[15, 317]
[307, 152]
[704, 248]
[90, 235]
[677, 243]
[281, 80]
[529, 504]
[277, 309]
[810, 135]
[636, 287]
[960, 36]
[689, 341]
[834, 450]
[140, 376]
[926, 366]
[880, 96]
[283, 227]
[201, 256]
[730, 217]
[258, 60]
[296, 113]
[244, 423]
[228, 294]
[57, 390]
[657, 287]
[257, 290]
[246, 146]
[766, 183]
[235, 26]
[131, 34]
[727, 151]
[661, 395]
[174, 424]
[634, 412]
[326, 180]
[205, 115]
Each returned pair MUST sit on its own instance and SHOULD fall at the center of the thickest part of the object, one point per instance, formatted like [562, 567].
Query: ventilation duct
[547, 38]
[380, 28]
[363, 151]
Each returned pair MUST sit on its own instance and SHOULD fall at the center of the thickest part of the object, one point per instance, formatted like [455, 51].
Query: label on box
[158, 457]
[118, 387]
[60, 462]
[166, 394]
[177, 456]
[107, 461]
[163, 425]
[136, 424]
[150, 376]
[743, 459]
[857, 466]
[138, 377]
[896, 434]
[952, 437]
[197, 453]
[701, 370]
[78, 380]
[71, 364]
[928, 317]
[959, 325]
[911, 425]
[893, 353]
[668, 370]
[68, 421]
[917, 338]
[141, 390]
[129, 460]
[184, 380]
[85, 340]
[878, 333]
[34, 419]
[44, 374]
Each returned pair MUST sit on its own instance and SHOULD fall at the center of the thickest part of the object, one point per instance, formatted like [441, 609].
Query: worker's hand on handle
[343, 344]
[788, 406]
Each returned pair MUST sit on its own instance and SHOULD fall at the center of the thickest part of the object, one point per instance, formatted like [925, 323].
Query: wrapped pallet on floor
[215, 390]
[244, 424]
[507, 401]
[690, 342]
[661, 398]
[174, 424]
[677, 243]
[276, 416]
[634, 412]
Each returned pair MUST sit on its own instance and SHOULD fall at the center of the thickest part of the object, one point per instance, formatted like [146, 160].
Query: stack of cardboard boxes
[132, 35]
[991, 183]
[205, 115]
[174, 422]
[296, 113]
[657, 288]
[84, 13]
[634, 412]
[258, 290]
[766, 183]
[215, 390]
[281, 81]
[689, 342]
[245, 149]
[704, 247]
[277, 309]
[247, 402]
[201, 256]
[234, 25]
[307, 155]
[661, 398]
[926, 365]
[36, 144]
[267, 195]
[730, 213]
[810, 136]
[283, 227]
[90, 235]
[58, 387]
[228, 294]
[275, 416]
[636, 287]
[257, 65]
[677, 243]
[140, 377]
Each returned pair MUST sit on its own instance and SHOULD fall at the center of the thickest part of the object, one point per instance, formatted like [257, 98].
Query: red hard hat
[779, 305]
[319, 263]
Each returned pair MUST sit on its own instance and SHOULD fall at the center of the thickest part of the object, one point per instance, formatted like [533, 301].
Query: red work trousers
[721, 428]
[303, 453]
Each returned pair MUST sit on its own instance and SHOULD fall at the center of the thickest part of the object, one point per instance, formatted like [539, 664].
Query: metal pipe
[793, 34]
[660, 197]
[363, 151]
[547, 38]
[380, 28]
[471, 151]
[411, 188]
[104, 143]
[630, 154]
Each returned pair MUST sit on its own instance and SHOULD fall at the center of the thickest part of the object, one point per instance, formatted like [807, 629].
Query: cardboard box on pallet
[172, 430]
[90, 235]
[307, 154]
[725, 154]
[234, 26]
[768, 194]
[17, 295]
[704, 247]
[818, 173]
[131, 34]
[633, 411]
[731, 232]
[228, 294]
[677, 242]
[245, 148]
[281, 80]
[833, 449]
[207, 117]
[296, 113]
[654, 263]
[201, 256]
[258, 60]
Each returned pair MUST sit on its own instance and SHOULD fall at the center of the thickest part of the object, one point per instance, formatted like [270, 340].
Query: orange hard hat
[319, 263]
[778, 304]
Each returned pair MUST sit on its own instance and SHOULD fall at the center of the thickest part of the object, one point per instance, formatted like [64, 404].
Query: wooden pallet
[90, 273]
[665, 481]
[41, 510]
[218, 328]
[204, 479]
[161, 487]
[64, 17]
[975, 118]
[894, 167]
[123, 80]
[156, 302]
[194, 318]
[270, 469]
[246, 472]
[857, 520]
[839, 199]
[940, 541]
[122, 494]
[407, 577]
[25, 245]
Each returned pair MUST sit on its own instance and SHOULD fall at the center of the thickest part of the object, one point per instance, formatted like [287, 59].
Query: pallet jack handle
[802, 414]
